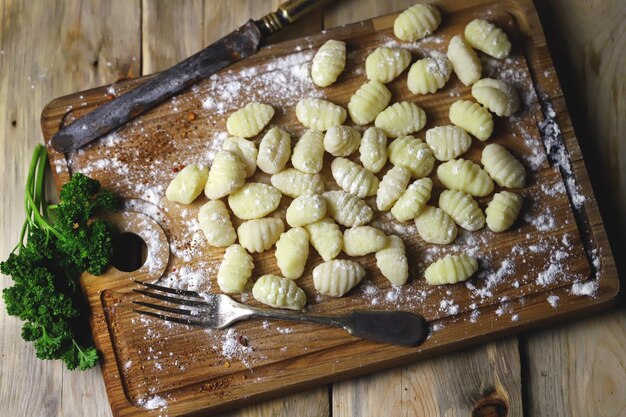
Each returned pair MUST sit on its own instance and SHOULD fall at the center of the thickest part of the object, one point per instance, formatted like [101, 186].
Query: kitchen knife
[237, 45]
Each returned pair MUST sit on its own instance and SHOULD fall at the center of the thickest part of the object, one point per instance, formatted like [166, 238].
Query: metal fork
[217, 311]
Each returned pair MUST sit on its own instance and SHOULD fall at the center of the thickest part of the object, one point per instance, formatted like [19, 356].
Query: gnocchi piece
[428, 75]
[347, 209]
[187, 184]
[214, 221]
[328, 63]
[392, 261]
[337, 277]
[488, 38]
[244, 149]
[412, 154]
[274, 151]
[401, 119]
[385, 64]
[463, 175]
[369, 100]
[451, 269]
[362, 240]
[416, 22]
[292, 251]
[318, 114]
[465, 62]
[435, 226]
[472, 117]
[294, 183]
[503, 210]
[235, 270]
[308, 154]
[326, 238]
[249, 120]
[306, 209]
[278, 292]
[463, 209]
[259, 235]
[373, 149]
[413, 200]
[448, 142]
[353, 178]
[503, 167]
[254, 200]
[341, 140]
[498, 96]
[394, 183]
[227, 174]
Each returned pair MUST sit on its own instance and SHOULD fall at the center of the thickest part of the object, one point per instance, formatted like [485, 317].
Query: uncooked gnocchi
[429, 75]
[328, 63]
[369, 100]
[308, 154]
[227, 174]
[448, 142]
[235, 270]
[341, 140]
[465, 62]
[488, 38]
[435, 226]
[472, 117]
[214, 221]
[451, 269]
[412, 154]
[416, 22]
[363, 240]
[503, 167]
[392, 261]
[274, 151]
[498, 96]
[187, 184]
[373, 149]
[249, 120]
[244, 149]
[353, 178]
[254, 200]
[347, 209]
[318, 114]
[306, 209]
[463, 209]
[292, 251]
[326, 238]
[393, 184]
[294, 183]
[259, 235]
[463, 175]
[413, 200]
[502, 210]
[401, 119]
[337, 277]
[278, 292]
[385, 64]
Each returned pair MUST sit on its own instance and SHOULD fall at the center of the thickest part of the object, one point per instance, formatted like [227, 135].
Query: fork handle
[394, 327]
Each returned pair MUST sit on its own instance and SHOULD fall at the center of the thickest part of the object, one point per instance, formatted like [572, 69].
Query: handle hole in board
[129, 252]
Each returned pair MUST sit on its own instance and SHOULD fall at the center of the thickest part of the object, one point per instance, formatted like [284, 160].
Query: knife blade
[233, 47]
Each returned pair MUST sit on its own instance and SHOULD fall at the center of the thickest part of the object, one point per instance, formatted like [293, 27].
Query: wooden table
[48, 49]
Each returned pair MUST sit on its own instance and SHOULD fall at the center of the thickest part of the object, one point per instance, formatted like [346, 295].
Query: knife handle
[287, 13]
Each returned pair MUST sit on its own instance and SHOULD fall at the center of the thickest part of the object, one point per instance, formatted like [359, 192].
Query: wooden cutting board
[530, 275]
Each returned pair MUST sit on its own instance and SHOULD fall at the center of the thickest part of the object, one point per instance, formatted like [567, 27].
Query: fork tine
[179, 320]
[167, 298]
[169, 290]
[164, 308]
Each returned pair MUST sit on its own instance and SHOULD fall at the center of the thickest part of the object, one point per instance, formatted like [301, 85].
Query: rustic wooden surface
[87, 40]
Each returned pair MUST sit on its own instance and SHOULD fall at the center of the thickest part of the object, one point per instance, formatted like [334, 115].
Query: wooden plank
[48, 49]
[481, 381]
[394, 392]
